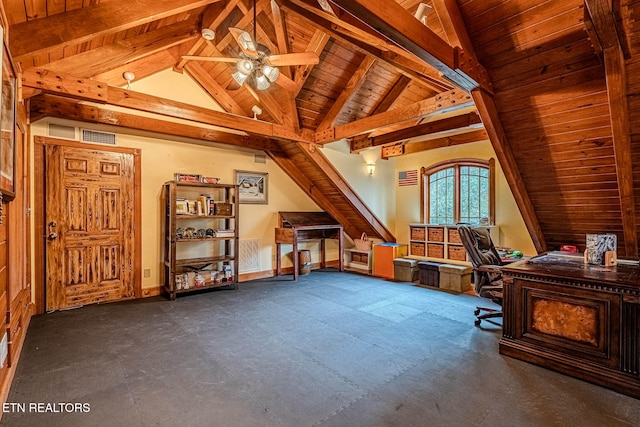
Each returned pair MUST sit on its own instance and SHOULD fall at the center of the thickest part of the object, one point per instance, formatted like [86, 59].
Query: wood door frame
[39, 190]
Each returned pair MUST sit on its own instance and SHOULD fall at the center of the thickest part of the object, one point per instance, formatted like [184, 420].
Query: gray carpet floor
[333, 349]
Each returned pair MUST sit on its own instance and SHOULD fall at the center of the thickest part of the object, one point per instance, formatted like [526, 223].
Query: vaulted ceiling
[536, 77]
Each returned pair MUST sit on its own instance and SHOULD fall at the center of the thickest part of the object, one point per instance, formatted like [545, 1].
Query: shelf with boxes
[436, 241]
[200, 236]
[357, 260]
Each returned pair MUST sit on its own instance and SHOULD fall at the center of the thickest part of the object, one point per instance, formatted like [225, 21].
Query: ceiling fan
[256, 64]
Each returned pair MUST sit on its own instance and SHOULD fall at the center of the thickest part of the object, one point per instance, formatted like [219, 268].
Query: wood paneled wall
[15, 281]
[551, 94]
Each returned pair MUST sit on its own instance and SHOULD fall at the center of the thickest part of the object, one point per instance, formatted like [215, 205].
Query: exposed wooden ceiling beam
[338, 180]
[604, 25]
[451, 20]
[453, 100]
[392, 95]
[385, 104]
[394, 23]
[281, 34]
[448, 141]
[462, 123]
[65, 85]
[211, 86]
[409, 66]
[448, 10]
[55, 106]
[498, 137]
[55, 32]
[292, 168]
[353, 85]
[316, 45]
[143, 67]
[212, 17]
[600, 13]
[122, 52]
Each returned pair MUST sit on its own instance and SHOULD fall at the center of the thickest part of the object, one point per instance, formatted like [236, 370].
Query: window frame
[456, 164]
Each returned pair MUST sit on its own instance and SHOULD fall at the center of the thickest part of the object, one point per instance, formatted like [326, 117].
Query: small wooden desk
[301, 226]
[578, 319]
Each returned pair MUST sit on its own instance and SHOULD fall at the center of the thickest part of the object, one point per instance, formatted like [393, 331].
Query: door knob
[52, 236]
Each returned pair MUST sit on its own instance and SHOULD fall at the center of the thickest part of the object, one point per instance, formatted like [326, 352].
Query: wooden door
[89, 226]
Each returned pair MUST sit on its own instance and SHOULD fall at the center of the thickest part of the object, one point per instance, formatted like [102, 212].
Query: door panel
[90, 244]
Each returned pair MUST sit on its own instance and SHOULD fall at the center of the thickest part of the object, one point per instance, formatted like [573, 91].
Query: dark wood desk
[578, 319]
[296, 227]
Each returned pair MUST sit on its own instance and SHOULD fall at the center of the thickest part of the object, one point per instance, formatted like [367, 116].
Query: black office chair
[487, 277]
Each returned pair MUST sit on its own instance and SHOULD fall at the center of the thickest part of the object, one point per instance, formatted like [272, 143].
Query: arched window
[459, 190]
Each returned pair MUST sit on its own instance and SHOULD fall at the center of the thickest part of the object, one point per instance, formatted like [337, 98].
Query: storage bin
[457, 252]
[405, 269]
[417, 233]
[417, 249]
[455, 278]
[429, 273]
[435, 250]
[436, 234]
[454, 236]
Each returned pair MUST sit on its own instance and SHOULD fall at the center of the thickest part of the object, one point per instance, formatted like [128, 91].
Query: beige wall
[512, 230]
[378, 190]
[161, 159]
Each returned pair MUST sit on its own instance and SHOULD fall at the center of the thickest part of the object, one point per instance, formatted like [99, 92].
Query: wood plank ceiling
[383, 80]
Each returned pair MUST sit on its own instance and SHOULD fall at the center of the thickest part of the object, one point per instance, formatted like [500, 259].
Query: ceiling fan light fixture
[262, 82]
[239, 77]
[245, 66]
[271, 72]
[246, 42]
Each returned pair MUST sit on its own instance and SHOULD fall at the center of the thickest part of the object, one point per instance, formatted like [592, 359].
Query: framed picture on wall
[7, 126]
[253, 187]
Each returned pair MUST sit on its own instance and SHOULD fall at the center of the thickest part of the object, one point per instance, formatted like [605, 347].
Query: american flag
[408, 178]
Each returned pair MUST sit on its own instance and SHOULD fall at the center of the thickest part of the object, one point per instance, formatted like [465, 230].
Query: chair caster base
[476, 312]
[477, 322]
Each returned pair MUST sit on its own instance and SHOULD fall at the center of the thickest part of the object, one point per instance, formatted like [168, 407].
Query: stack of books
[224, 233]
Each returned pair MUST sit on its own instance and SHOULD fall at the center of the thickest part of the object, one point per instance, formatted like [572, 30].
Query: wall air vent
[61, 131]
[259, 158]
[89, 135]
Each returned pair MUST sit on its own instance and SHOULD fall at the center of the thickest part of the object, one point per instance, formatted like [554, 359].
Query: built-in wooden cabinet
[358, 261]
[436, 241]
[200, 236]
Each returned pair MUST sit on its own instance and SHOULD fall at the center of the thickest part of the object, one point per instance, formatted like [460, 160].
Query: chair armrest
[488, 268]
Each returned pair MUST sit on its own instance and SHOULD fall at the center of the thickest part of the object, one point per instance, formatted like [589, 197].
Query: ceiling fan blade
[210, 58]
[245, 42]
[286, 83]
[304, 58]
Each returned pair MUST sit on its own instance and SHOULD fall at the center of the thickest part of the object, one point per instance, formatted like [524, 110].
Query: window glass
[441, 188]
[459, 191]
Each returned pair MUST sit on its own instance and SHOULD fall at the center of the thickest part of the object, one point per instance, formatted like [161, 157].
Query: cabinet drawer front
[435, 250]
[417, 249]
[457, 252]
[417, 233]
[454, 236]
[436, 234]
